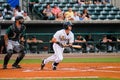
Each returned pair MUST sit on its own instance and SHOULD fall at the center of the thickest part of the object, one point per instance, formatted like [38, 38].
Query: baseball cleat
[54, 68]
[42, 65]
[16, 66]
[4, 67]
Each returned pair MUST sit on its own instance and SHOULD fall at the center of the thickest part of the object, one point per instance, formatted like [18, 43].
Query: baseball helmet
[18, 18]
[66, 24]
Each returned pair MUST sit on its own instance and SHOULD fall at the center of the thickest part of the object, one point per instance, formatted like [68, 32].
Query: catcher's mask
[20, 19]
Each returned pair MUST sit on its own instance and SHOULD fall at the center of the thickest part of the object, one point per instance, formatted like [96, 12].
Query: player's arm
[6, 36]
[6, 39]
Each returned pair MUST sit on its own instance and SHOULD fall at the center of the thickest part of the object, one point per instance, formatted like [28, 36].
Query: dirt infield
[65, 70]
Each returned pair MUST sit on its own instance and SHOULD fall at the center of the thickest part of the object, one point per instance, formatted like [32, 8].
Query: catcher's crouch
[61, 39]
[14, 34]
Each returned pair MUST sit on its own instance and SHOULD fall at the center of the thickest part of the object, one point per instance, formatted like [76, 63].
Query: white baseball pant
[57, 56]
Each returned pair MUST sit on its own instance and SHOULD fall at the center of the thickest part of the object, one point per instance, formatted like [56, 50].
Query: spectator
[76, 17]
[97, 1]
[105, 1]
[85, 14]
[60, 17]
[31, 3]
[48, 12]
[69, 14]
[90, 44]
[1, 16]
[80, 2]
[81, 41]
[55, 10]
[33, 44]
[105, 44]
[26, 17]
[18, 11]
[7, 10]
[13, 18]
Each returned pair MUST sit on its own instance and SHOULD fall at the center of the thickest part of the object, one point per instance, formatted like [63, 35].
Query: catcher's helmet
[18, 18]
[66, 24]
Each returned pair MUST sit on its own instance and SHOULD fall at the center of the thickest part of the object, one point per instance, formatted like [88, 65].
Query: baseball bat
[73, 46]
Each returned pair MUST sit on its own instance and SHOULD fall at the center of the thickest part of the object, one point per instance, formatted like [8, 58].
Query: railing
[97, 46]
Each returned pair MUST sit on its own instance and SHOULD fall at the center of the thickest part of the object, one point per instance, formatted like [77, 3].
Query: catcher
[14, 35]
[61, 39]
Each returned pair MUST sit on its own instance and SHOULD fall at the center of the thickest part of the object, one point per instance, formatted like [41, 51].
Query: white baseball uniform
[62, 38]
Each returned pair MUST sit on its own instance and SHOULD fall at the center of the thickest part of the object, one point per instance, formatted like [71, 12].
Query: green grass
[67, 60]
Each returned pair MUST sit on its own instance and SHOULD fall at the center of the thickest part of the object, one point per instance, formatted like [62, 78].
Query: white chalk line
[27, 78]
[85, 69]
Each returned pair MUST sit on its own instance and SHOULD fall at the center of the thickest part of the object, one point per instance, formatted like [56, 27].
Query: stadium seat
[107, 9]
[2, 1]
[109, 5]
[104, 13]
[61, 5]
[1, 9]
[118, 13]
[7, 17]
[4, 4]
[94, 17]
[98, 9]
[92, 5]
[65, 9]
[84, 5]
[115, 9]
[90, 12]
[101, 5]
[96, 13]
[90, 9]
[102, 17]
[113, 13]
[111, 17]
[69, 5]
[117, 17]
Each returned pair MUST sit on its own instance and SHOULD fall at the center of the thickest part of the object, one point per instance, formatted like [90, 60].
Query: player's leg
[51, 58]
[21, 55]
[8, 55]
[59, 58]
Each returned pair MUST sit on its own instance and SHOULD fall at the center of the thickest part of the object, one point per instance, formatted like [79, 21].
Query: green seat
[92, 5]
[113, 13]
[109, 5]
[90, 9]
[84, 5]
[115, 9]
[94, 17]
[117, 17]
[69, 5]
[98, 9]
[7, 17]
[104, 13]
[1, 9]
[96, 13]
[111, 17]
[102, 17]
[118, 12]
[107, 9]
[101, 5]
[65, 9]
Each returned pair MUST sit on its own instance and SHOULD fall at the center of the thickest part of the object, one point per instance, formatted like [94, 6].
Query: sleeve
[71, 38]
[8, 30]
[23, 32]
[56, 35]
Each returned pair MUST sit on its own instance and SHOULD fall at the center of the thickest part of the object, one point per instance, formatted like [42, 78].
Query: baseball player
[61, 39]
[14, 34]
